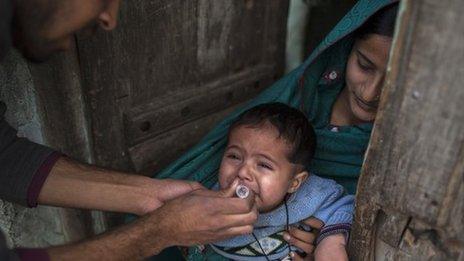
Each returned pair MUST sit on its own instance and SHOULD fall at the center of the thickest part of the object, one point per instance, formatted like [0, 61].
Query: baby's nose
[244, 173]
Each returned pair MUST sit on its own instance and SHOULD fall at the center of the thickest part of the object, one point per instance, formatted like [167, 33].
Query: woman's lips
[367, 106]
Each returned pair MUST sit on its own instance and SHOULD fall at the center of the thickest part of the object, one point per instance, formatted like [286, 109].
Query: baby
[268, 149]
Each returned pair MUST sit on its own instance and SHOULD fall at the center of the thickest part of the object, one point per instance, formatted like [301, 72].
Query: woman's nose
[374, 89]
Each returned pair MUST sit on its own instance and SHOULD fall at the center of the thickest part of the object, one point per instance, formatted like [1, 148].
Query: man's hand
[160, 191]
[201, 216]
[205, 216]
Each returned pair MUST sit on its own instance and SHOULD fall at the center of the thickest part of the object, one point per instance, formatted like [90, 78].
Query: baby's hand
[332, 247]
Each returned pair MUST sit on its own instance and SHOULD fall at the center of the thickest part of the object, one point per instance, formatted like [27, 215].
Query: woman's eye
[364, 67]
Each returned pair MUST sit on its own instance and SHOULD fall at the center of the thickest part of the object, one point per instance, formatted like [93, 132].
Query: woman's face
[365, 74]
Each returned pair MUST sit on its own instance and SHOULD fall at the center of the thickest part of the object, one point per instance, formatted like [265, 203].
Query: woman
[338, 87]
[346, 108]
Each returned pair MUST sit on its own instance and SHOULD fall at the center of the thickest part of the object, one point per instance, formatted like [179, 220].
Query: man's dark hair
[381, 23]
[292, 125]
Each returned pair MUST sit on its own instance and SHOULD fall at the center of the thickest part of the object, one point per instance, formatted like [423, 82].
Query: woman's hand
[304, 240]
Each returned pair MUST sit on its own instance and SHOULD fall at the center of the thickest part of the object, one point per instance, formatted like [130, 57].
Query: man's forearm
[135, 241]
[71, 184]
[199, 217]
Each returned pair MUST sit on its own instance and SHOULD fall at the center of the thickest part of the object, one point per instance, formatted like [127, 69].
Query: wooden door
[137, 97]
[171, 70]
[410, 202]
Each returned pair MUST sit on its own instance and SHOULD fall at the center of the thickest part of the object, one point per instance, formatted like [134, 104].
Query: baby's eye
[265, 166]
[233, 157]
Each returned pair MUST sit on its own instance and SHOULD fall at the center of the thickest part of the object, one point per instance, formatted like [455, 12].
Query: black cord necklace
[287, 226]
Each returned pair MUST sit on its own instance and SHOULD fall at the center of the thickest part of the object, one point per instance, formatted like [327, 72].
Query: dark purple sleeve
[326, 231]
[39, 178]
[20, 161]
[32, 254]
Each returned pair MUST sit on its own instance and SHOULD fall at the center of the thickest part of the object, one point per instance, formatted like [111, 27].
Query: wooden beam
[413, 167]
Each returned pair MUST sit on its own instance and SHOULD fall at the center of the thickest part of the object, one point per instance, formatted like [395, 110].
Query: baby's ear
[297, 180]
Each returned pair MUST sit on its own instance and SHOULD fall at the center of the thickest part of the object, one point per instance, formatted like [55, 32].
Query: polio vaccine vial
[242, 191]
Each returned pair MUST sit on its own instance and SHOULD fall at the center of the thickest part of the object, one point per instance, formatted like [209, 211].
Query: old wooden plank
[451, 215]
[163, 48]
[424, 242]
[152, 50]
[390, 227]
[274, 35]
[415, 149]
[246, 45]
[215, 20]
[372, 174]
[166, 112]
[151, 156]
[454, 226]
[429, 139]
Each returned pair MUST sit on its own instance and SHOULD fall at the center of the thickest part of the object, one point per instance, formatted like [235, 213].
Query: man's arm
[20, 161]
[31, 173]
[197, 218]
[72, 184]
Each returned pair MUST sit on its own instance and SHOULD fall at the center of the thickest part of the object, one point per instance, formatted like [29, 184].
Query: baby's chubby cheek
[225, 177]
[226, 182]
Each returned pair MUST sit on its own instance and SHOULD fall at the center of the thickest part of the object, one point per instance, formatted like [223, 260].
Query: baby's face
[257, 157]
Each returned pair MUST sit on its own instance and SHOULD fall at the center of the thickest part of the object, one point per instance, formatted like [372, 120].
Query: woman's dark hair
[382, 23]
[292, 125]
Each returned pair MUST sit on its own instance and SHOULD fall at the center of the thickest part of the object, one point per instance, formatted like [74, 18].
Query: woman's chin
[363, 116]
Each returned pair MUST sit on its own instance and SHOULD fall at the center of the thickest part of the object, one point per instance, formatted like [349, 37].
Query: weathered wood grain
[413, 167]
[167, 112]
[151, 155]
[184, 52]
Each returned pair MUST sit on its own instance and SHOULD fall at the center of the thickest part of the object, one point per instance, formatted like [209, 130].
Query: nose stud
[242, 191]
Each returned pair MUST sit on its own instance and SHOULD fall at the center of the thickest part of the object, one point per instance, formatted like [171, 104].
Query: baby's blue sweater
[317, 197]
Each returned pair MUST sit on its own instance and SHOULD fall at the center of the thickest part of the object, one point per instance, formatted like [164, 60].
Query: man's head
[268, 148]
[42, 27]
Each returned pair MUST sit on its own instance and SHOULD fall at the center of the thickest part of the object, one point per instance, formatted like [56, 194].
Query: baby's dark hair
[381, 23]
[292, 125]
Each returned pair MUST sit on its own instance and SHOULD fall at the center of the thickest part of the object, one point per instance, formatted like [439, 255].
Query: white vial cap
[242, 191]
